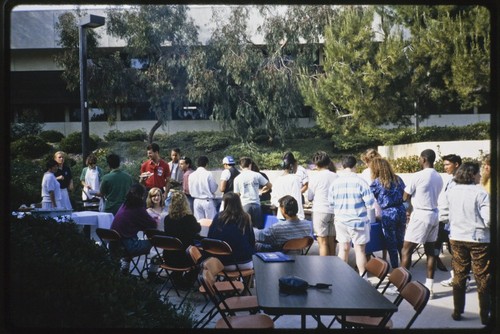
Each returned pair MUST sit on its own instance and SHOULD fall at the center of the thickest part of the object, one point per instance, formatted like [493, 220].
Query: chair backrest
[167, 243]
[194, 253]
[377, 267]
[151, 232]
[107, 235]
[298, 244]
[216, 247]
[399, 278]
[417, 295]
[213, 265]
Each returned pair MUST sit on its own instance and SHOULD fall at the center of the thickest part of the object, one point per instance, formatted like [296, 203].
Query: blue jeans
[137, 247]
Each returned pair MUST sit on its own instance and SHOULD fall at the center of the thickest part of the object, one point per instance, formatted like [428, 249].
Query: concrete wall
[468, 148]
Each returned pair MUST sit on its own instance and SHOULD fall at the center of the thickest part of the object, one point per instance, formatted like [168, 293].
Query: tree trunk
[153, 130]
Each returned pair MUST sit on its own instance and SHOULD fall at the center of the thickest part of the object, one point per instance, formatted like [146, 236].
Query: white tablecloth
[98, 219]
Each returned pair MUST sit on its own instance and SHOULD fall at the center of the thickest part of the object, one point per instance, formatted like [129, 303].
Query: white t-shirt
[302, 174]
[225, 175]
[247, 184]
[424, 188]
[287, 184]
[319, 184]
[50, 183]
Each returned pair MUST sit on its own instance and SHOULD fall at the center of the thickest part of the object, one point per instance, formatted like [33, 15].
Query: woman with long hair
[388, 189]
[155, 205]
[180, 223]
[234, 226]
[469, 218]
[486, 173]
[289, 183]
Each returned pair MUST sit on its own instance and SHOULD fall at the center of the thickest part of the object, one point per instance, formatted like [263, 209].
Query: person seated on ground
[273, 237]
[131, 218]
[234, 226]
[180, 223]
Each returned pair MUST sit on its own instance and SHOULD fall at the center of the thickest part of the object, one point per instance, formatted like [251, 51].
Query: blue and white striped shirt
[351, 197]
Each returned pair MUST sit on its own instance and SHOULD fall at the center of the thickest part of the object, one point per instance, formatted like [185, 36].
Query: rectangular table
[91, 220]
[349, 295]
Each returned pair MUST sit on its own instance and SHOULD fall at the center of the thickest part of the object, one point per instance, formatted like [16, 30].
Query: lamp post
[89, 21]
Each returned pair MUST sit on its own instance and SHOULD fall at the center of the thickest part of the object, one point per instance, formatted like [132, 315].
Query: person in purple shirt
[131, 218]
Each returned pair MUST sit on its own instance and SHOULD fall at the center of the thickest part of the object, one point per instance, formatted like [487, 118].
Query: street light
[89, 21]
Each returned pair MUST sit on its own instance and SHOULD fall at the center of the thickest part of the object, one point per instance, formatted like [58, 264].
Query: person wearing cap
[228, 175]
[202, 186]
[247, 185]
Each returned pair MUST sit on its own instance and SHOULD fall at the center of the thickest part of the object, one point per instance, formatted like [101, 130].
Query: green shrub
[30, 147]
[73, 143]
[25, 182]
[126, 136]
[406, 164]
[60, 279]
[211, 141]
[51, 136]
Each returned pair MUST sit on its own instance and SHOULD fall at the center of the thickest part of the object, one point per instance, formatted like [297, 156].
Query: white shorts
[423, 227]
[323, 224]
[204, 208]
[348, 234]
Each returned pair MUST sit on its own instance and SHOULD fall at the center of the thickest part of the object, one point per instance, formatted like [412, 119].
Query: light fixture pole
[89, 21]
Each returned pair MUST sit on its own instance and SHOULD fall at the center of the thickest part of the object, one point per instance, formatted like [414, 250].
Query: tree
[159, 37]
[418, 56]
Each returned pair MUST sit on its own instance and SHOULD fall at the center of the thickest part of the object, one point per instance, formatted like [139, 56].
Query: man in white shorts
[351, 198]
[202, 187]
[424, 189]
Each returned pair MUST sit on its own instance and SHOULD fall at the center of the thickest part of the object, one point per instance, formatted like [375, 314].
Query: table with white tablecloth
[93, 220]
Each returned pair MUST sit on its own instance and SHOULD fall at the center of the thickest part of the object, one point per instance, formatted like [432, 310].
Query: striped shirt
[351, 197]
[276, 235]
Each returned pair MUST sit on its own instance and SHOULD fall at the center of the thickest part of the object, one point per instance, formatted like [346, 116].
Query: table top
[349, 295]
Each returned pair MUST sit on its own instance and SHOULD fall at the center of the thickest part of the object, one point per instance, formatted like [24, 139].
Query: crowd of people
[428, 210]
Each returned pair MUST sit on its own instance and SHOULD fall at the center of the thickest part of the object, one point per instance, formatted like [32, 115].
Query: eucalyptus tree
[159, 37]
[252, 85]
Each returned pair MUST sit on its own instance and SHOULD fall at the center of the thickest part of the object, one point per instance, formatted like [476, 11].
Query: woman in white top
[155, 206]
[51, 190]
[288, 184]
[91, 182]
[322, 213]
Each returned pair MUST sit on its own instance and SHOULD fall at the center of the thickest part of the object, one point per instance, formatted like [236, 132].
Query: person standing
[228, 174]
[469, 218]
[288, 184]
[486, 173]
[351, 198]
[273, 237]
[155, 172]
[131, 218]
[451, 162]
[388, 190]
[115, 185]
[423, 189]
[91, 182]
[264, 193]
[176, 174]
[51, 191]
[186, 166]
[202, 186]
[322, 213]
[65, 179]
[247, 184]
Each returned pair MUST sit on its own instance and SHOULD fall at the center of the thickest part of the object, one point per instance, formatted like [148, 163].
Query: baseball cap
[228, 160]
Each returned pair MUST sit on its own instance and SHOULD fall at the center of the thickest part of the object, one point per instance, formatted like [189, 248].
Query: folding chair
[419, 252]
[217, 248]
[113, 242]
[255, 321]
[229, 292]
[399, 277]
[415, 293]
[173, 246]
[300, 245]
[377, 267]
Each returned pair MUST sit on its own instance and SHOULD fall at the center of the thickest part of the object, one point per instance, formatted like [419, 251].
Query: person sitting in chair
[273, 237]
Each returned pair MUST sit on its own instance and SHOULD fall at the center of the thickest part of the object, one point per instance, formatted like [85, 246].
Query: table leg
[303, 321]
[86, 231]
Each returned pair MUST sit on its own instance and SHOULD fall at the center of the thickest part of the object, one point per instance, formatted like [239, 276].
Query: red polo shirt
[161, 173]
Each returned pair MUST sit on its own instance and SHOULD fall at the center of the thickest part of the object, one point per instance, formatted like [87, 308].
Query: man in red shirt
[155, 172]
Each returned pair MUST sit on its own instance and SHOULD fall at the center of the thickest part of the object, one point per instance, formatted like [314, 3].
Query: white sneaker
[467, 285]
[431, 296]
[447, 283]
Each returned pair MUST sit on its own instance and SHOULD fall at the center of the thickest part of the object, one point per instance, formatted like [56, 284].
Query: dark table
[349, 295]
